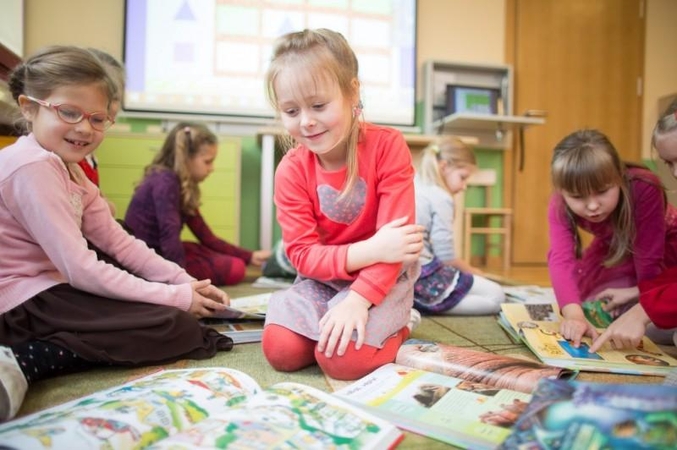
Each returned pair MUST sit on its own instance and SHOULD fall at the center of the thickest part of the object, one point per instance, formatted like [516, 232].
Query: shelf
[486, 122]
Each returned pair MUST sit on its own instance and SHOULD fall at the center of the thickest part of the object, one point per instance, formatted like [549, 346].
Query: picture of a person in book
[429, 394]
[646, 360]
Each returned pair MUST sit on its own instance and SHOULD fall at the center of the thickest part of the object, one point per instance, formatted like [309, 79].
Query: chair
[487, 220]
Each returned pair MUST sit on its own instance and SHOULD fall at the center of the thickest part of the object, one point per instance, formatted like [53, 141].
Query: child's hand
[207, 299]
[615, 298]
[259, 257]
[337, 325]
[574, 325]
[397, 242]
[626, 331]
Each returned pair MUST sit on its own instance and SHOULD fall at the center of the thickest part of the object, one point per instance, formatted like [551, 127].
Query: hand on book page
[538, 326]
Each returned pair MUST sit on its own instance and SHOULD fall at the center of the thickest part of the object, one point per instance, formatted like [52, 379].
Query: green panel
[128, 151]
[120, 181]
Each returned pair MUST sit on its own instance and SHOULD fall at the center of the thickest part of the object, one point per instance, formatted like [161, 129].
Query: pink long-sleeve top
[45, 219]
[317, 229]
[653, 226]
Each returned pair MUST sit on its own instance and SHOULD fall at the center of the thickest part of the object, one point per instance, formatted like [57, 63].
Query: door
[580, 61]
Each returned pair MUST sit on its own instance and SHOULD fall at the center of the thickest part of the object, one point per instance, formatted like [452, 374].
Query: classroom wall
[450, 30]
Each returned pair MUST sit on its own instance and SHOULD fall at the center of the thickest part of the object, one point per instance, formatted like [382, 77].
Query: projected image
[210, 56]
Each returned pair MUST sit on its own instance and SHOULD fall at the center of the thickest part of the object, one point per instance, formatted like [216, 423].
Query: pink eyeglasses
[72, 114]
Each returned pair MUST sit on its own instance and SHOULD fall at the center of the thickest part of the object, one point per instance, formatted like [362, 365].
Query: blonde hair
[667, 122]
[586, 162]
[446, 148]
[57, 66]
[183, 143]
[325, 56]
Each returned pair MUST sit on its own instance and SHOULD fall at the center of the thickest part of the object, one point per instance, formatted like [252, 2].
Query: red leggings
[288, 351]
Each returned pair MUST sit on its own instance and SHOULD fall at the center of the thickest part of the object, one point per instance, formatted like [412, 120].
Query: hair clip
[357, 109]
[435, 149]
[186, 130]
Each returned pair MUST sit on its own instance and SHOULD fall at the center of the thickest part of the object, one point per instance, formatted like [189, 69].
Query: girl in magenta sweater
[624, 207]
[61, 308]
[169, 197]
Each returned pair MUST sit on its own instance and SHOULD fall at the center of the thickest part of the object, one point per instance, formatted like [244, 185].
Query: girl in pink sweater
[61, 308]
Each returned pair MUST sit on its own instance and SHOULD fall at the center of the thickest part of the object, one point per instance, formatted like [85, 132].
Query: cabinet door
[581, 62]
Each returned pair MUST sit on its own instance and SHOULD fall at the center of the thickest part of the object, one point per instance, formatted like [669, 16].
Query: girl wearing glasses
[62, 309]
[169, 197]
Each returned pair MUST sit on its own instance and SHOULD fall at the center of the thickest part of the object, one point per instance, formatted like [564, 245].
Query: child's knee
[285, 350]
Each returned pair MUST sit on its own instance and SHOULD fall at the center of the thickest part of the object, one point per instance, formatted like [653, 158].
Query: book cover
[499, 371]
[202, 408]
[582, 415]
[449, 409]
[538, 327]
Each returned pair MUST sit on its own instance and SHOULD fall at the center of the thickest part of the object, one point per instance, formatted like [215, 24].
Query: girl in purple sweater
[169, 197]
[624, 208]
[61, 308]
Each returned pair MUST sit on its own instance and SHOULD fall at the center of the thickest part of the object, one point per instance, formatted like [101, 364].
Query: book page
[481, 367]
[138, 413]
[289, 415]
[449, 409]
[539, 327]
[582, 415]
[249, 307]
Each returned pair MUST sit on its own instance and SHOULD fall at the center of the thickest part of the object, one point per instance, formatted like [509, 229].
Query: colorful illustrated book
[452, 410]
[249, 307]
[583, 415]
[538, 327]
[499, 371]
[202, 408]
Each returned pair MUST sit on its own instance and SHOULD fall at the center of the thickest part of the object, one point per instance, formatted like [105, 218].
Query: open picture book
[456, 395]
[202, 408]
[537, 325]
[572, 415]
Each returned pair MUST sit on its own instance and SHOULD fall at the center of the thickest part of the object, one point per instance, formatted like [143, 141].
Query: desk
[267, 139]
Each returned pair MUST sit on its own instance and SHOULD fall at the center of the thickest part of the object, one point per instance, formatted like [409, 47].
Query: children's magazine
[538, 327]
[456, 411]
[582, 415]
[499, 371]
[201, 408]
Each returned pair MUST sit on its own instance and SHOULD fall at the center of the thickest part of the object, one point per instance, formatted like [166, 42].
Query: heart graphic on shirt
[345, 210]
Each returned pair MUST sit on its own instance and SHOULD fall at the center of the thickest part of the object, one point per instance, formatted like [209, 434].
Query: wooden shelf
[485, 122]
